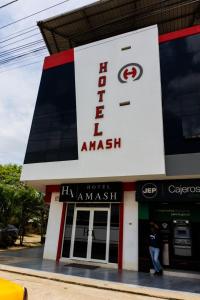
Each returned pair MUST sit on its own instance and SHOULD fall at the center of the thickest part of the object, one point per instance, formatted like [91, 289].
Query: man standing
[154, 248]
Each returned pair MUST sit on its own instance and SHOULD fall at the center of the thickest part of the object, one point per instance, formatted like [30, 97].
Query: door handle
[93, 234]
[85, 231]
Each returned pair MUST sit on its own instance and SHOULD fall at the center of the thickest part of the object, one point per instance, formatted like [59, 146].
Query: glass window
[180, 78]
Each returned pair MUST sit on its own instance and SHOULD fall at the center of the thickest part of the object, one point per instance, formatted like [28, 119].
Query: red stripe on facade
[58, 59]
[52, 188]
[49, 190]
[47, 197]
[121, 228]
[67, 56]
[179, 34]
[129, 186]
[62, 223]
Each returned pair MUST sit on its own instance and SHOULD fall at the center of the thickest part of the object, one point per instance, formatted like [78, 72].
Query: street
[39, 289]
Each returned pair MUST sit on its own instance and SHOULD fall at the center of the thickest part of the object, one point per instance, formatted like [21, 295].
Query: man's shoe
[160, 272]
[156, 273]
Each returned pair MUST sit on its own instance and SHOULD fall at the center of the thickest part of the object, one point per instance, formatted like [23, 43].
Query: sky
[19, 85]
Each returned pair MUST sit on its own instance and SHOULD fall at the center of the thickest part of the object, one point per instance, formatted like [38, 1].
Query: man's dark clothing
[154, 240]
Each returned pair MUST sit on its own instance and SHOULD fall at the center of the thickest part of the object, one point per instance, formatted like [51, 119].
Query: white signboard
[119, 111]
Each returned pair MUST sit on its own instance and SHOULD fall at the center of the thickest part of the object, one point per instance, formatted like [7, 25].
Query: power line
[14, 56]
[40, 55]
[19, 48]
[23, 54]
[8, 3]
[22, 30]
[38, 12]
[29, 58]
[24, 51]
[18, 60]
[20, 67]
[26, 38]
[14, 37]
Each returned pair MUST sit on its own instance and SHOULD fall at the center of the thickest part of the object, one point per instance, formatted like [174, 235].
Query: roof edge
[95, 3]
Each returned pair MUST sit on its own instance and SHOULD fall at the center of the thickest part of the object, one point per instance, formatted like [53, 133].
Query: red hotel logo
[132, 70]
[111, 143]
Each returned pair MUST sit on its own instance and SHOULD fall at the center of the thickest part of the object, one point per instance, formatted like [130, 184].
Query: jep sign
[168, 191]
[149, 190]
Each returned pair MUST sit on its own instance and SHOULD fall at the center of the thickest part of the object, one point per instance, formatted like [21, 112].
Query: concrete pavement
[43, 289]
[29, 262]
[120, 288]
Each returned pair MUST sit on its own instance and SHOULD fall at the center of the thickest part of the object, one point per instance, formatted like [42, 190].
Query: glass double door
[90, 234]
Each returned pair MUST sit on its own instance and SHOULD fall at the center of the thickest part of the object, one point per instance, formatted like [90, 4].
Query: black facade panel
[53, 135]
[114, 234]
[180, 79]
[68, 231]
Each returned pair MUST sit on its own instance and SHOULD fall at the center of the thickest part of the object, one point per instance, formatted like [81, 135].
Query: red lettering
[117, 143]
[96, 130]
[99, 110]
[128, 73]
[100, 145]
[101, 93]
[92, 145]
[103, 67]
[102, 81]
[109, 144]
[84, 147]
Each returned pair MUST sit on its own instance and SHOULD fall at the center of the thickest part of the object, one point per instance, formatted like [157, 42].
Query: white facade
[120, 138]
[136, 128]
[53, 228]
[130, 232]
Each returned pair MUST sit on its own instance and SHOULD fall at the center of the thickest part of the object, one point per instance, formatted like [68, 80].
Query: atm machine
[182, 238]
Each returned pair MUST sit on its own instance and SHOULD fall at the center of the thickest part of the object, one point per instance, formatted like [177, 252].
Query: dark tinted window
[114, 234]
[53, 135]
[68, 231]
[180, 77]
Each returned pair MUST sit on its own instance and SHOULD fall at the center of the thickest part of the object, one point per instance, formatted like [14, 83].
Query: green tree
[10, 174]
[19, 203]
[7, 203]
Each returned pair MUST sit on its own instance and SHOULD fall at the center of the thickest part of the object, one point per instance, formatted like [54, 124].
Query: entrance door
[90, 234]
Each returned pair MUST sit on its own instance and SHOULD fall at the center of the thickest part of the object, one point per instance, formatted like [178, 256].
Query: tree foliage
[19, 203]
[10, 174]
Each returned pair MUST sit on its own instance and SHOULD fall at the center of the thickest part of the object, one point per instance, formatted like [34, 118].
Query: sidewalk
[30, 260]
[153, 293]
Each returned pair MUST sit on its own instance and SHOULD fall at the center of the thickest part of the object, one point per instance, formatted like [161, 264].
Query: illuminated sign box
[91, 192]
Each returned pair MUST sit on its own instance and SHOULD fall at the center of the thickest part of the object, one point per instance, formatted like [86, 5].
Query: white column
[130, 232]
[53, 228]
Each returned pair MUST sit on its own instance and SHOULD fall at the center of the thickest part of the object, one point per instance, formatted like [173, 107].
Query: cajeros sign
[91, 192]
[168, 191]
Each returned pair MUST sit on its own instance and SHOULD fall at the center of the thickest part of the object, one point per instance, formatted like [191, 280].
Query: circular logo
[149, 190]
[132, 70]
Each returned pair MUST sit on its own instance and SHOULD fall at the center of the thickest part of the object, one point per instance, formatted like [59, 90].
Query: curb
[105, 285]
